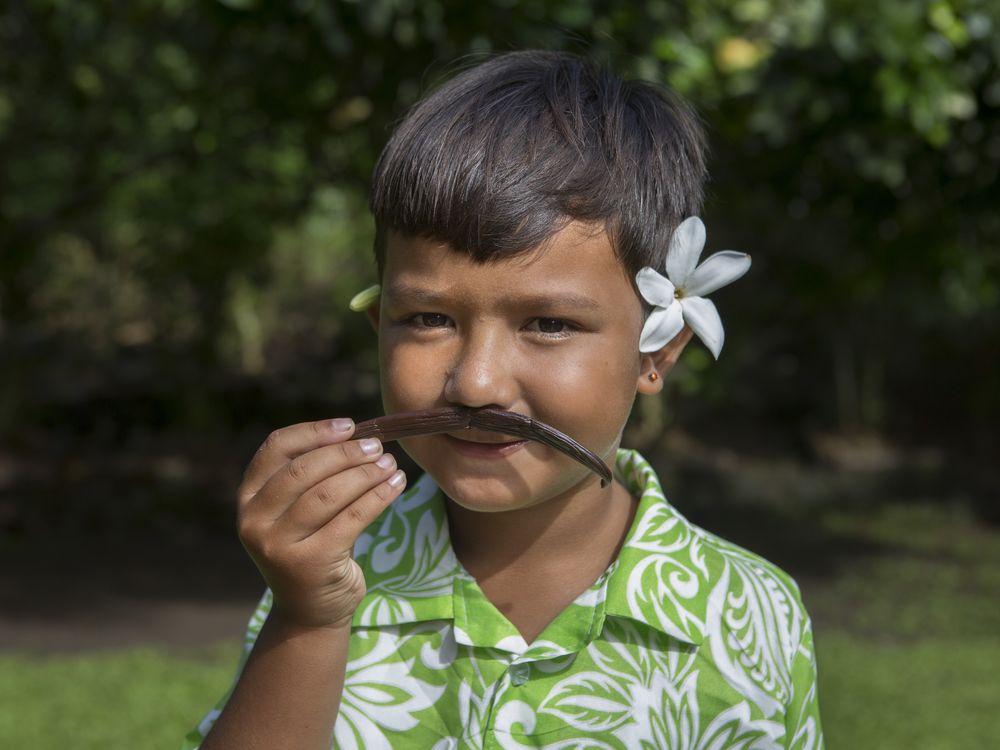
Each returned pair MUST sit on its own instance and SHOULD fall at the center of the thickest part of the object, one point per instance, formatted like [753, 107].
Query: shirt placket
[494, 640]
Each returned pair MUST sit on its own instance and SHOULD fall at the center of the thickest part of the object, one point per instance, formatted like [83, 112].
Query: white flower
[679, 297]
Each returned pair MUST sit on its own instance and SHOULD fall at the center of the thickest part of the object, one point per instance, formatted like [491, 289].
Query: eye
[551, 325]
[431, 320]
[553, 328]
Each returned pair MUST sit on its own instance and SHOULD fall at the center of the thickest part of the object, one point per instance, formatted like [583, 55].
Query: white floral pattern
[686, 642]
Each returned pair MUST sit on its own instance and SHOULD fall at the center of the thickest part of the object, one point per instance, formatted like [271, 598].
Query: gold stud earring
[653, 376]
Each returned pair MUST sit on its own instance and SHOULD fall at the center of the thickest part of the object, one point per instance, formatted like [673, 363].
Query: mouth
[491, 447]
[484, 438]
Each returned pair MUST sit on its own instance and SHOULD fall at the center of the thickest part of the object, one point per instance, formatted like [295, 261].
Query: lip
[483, 437]
[492, 449]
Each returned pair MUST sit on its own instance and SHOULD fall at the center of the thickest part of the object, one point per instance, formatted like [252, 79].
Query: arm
[289, 691]
[308, 494]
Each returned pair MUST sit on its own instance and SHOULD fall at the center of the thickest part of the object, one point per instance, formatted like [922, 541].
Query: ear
[372, 312]
[661, 362]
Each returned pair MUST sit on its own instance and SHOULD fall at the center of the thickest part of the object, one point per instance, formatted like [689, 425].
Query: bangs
[501, 157]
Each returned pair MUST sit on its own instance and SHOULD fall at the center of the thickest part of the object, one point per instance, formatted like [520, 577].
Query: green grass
[129, 699]
[908, 642]
[928, 695]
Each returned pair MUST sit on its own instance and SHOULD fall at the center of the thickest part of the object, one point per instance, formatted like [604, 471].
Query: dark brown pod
[454, 418]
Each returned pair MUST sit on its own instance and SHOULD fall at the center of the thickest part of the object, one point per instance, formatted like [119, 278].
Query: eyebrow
[561, 300]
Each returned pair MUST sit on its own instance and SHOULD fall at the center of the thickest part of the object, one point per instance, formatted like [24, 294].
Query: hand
[306, 496]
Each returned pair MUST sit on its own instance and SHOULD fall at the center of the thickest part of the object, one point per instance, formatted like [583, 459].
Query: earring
[653, 376]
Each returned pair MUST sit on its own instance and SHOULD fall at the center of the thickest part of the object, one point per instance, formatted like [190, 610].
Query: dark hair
[502, 156]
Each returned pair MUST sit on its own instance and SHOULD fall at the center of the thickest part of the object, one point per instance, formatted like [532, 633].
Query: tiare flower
[365, 298]
[679, 297]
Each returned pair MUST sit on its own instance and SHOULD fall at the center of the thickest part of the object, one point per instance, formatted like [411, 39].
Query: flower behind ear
[365, 298]
[679, 297]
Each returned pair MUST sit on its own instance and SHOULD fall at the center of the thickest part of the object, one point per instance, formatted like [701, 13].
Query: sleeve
[195, 737]
[802, 723]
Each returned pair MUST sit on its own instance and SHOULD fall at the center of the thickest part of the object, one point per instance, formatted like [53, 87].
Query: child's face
[552, 334]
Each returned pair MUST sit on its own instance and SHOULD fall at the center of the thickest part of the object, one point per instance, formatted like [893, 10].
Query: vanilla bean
[511, 423]
[414, 423]
[455, 418]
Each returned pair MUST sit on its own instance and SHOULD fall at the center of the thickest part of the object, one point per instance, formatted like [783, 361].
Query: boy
[508, 599]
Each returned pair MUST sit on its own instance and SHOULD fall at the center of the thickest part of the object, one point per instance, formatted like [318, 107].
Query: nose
[483, 372]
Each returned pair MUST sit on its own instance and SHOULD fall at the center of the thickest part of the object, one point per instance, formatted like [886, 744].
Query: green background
[183, 219]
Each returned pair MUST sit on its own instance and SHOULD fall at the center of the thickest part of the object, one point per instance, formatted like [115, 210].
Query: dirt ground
[81, 596]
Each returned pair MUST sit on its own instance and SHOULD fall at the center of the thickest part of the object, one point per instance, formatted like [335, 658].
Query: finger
[303, 472]
[343, 530]
[321, 503]
[287, 443]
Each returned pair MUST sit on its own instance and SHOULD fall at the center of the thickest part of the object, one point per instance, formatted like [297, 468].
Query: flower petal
[686, 244]
[655, 288]
[700, 314]
[718, 270]
[365, 298]
[661, 326]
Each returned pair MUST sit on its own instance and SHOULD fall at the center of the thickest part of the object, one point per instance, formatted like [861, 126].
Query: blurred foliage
[182, 197]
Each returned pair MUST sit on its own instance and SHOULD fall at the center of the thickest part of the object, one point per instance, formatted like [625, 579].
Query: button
[519, 673]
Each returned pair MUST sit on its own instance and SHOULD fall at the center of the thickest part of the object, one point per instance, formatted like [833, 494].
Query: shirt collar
[660, 563]
[411, 570]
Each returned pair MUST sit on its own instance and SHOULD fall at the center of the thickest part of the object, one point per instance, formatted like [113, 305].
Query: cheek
[588, 396]
[409, 381]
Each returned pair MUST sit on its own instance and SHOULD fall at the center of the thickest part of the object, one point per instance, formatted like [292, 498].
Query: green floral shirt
[686, 641]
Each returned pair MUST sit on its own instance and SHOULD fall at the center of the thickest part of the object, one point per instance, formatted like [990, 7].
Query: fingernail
[386, 461]
[342, 425]
[397, 479]
[370, 446]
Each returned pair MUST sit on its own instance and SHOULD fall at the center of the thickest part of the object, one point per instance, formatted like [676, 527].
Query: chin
[486, 494]
[510, 490]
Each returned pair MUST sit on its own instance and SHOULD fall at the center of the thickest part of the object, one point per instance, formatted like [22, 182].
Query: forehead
[577, 262]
